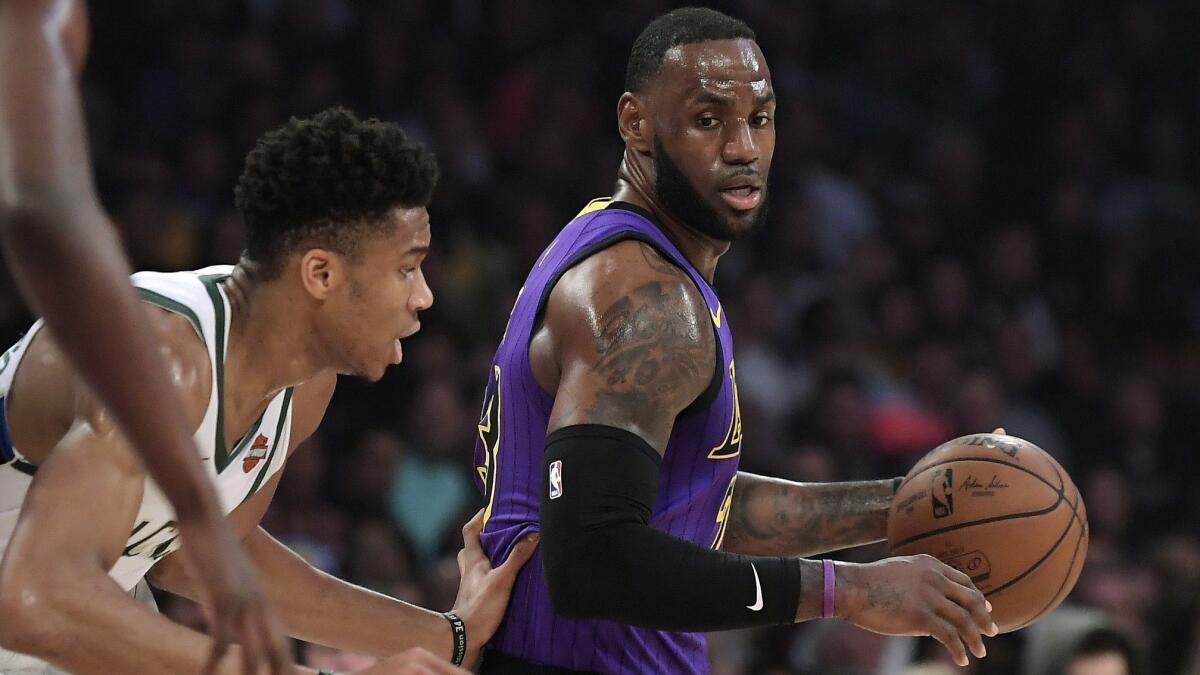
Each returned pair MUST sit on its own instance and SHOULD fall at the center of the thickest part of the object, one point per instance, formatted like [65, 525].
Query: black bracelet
[460, 637]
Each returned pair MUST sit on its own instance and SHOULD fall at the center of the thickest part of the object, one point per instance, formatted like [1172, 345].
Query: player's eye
[762, 119]
[408, 271]
[708, 122]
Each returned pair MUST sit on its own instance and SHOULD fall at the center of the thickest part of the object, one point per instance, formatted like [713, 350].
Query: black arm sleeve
[603, 560]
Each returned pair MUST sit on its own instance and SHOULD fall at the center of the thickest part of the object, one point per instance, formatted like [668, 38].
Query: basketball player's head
[336, 207]
[699, 104]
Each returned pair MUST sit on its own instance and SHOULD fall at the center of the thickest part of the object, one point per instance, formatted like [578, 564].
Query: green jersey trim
[173, 306]
[221, 457]
[283, 416]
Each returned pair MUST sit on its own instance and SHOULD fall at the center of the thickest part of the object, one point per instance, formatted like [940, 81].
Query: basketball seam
[991, 460]
[1060, 490]
[1039, 562]
[982, 521]
[1074, 556]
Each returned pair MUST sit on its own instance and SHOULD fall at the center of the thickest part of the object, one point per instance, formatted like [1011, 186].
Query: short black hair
[685, 26]
[1104, 640]
[324, 181]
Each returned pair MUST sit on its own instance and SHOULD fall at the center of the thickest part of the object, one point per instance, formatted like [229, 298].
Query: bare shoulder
[309, 402]
[634, 342]
[47, 397]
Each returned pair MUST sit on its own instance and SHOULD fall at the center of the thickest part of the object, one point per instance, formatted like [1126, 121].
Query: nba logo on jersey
[556, 479]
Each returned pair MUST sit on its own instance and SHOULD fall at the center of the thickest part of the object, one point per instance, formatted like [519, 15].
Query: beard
[681, 199]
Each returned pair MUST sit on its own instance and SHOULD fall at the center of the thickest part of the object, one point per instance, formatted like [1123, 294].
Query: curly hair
[324, 182]
[684, 26]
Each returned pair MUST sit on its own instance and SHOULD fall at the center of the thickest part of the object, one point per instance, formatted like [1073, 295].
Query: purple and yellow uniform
[694, 485]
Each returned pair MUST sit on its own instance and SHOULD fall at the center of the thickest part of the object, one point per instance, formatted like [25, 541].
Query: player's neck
[703, 251]
[267, 352]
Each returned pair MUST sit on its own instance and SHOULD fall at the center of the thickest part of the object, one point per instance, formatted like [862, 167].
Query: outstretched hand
[233, 600]
[917, 595]
[483, 592]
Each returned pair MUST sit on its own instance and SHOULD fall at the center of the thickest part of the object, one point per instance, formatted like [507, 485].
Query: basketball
[1004, 512]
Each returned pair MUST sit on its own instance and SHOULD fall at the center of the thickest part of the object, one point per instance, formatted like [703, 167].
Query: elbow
[568, 593]
[571, 575]
[28, 623]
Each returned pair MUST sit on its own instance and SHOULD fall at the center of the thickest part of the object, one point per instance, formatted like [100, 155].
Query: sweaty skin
[618, 343]
[51, 221]
[300, 330]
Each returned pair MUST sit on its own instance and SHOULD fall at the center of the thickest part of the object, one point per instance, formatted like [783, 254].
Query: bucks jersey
[236, 472]
[695, 481]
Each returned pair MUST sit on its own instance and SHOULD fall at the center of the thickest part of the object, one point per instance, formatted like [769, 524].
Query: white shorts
[13, 486]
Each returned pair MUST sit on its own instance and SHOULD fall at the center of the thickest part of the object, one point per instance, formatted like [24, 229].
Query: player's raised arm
[633, 350]
[65, 256]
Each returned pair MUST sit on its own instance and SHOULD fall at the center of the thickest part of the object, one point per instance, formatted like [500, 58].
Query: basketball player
[330, 282]
[51, 221]
[611, 421]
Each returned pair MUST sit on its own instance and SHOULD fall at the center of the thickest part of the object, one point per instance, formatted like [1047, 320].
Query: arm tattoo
[776, 517]
[651, 354]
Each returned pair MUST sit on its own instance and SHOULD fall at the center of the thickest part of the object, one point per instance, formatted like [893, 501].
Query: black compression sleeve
[603, 560]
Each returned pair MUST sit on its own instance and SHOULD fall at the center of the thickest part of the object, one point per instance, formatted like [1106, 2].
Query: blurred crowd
[982, 214]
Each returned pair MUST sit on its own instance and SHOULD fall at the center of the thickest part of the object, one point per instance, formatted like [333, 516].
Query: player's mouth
[742, 194]
[398, 348]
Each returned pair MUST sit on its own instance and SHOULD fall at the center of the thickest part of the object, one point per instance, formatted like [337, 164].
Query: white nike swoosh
[758, 604]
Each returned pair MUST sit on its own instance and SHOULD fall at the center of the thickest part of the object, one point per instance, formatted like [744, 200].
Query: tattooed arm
[770, 516]
[625, 346]
[626, 337]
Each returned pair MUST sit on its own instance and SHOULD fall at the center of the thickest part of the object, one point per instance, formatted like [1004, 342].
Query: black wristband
[460, 637]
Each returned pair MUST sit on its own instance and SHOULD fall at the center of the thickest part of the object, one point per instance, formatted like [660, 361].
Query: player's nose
[740, 146]
[422, 297]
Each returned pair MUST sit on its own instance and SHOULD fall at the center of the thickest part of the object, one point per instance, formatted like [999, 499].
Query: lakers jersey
[695, 481]
[236, 472]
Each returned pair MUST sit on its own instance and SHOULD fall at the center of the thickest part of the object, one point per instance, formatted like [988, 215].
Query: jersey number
[732, 445]
[489, 434]
[156, 543]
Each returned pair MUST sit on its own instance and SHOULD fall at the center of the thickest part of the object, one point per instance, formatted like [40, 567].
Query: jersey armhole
[714, 385]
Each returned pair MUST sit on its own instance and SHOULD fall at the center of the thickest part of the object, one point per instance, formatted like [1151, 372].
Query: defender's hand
[916, 595]
[415, 661]
[233, 600]
[482, 591]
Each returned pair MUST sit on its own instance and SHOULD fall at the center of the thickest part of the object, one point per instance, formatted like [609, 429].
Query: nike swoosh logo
[758, 604]
[716, 316]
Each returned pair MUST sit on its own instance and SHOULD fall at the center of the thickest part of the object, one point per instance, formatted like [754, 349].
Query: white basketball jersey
[236, 472]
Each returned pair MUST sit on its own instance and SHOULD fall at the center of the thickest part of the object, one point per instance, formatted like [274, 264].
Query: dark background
[982, 214]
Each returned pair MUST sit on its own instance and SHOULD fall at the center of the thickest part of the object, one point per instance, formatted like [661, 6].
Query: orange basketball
[1001, 510]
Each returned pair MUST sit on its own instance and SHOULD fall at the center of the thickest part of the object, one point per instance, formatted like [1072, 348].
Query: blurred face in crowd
[370, 300]
[713, 111]
[1104, 663]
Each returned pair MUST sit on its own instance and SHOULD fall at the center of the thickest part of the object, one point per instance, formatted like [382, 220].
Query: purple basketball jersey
[694, 486]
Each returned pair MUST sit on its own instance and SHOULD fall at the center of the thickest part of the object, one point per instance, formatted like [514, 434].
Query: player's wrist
[849, 594]
[459, 635]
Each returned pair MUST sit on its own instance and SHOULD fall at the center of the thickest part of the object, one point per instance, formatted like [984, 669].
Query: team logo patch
[556, 479]
[256, 454]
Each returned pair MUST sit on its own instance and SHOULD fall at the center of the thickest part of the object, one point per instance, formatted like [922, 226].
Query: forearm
[319, 608]
[89, 626]
[770, 516]
[64, 254]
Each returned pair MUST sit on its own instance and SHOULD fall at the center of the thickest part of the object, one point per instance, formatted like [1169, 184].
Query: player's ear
[633, 123]
[321, 271]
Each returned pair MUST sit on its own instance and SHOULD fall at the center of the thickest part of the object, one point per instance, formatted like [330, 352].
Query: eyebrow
[707, 97]
[417, 250]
